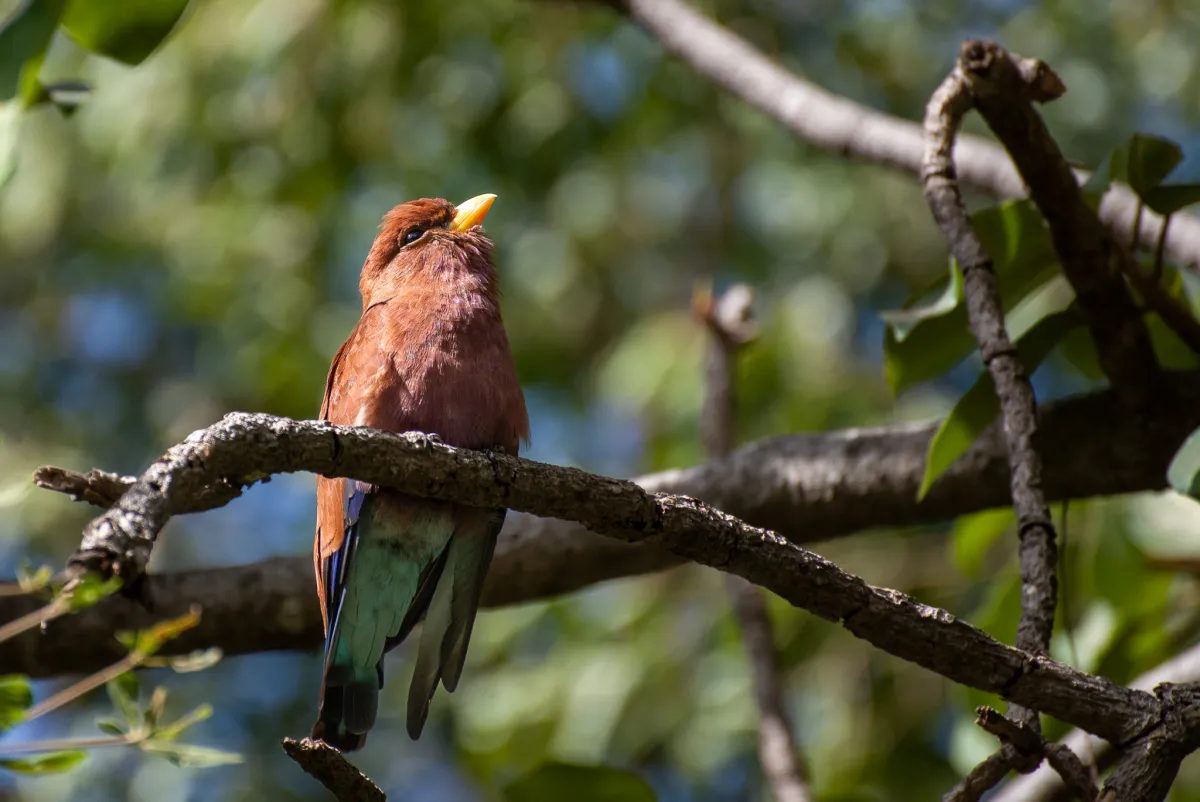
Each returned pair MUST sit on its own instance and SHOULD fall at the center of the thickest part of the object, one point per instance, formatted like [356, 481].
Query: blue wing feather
[337, 565]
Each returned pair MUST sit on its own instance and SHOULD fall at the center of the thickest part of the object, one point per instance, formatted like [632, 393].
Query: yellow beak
[469, 214]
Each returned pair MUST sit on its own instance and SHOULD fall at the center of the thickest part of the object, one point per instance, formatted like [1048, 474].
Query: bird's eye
[412, 236]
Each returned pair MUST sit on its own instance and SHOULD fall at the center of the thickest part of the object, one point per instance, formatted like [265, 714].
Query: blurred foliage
[188, 242]
[137, 725]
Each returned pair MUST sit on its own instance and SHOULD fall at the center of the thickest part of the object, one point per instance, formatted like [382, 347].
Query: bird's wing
[347, 387]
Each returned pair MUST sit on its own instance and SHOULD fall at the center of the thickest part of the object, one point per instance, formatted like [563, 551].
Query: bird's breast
[454, 376]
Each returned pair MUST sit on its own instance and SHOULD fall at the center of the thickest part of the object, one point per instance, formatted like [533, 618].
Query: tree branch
[245, 445]
[1003, 88]
[1147, 767]
[331, 768]
[730, 325]
[807, 487]
[1044, 784]
[981, 779]
[851, 129]
[1038, 554]
[1030, 744]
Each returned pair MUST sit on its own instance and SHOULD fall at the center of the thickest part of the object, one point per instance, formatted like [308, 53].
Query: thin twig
[63, 744]
[981, 779]
[1038, 555]
[88, 683]
[1037, 552]
[339, 775]
[35, 619]
[136, 657]
[730, 324]
[1031, 745]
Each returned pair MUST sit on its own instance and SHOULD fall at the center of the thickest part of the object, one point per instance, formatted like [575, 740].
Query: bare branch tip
[331, 768]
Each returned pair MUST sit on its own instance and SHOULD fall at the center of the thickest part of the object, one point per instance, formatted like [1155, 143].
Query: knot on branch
[990, 69]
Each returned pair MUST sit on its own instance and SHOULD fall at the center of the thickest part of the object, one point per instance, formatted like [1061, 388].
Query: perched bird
[430, 354]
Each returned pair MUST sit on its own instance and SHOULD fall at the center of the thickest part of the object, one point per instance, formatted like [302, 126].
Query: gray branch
[861, 133]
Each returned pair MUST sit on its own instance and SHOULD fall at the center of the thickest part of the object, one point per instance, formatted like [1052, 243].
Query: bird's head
[420, 240]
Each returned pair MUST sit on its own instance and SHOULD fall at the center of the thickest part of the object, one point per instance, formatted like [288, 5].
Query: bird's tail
[349, 700]
[442, 650]
[375, 592]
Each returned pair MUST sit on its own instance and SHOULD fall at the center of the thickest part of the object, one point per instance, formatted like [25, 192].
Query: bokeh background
[189, 243]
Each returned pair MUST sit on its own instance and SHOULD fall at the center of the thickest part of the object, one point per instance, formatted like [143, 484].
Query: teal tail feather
[442, 650]
[378, 584]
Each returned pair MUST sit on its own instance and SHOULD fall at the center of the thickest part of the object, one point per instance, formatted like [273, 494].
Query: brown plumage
[429, 354]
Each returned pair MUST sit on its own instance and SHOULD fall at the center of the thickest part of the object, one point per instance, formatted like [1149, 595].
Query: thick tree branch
[1147, 768]
[1045, 784]
[808, 487]
[730, 325]
[245, 445]
[1038, 554]
[326, 764]
[863, 134]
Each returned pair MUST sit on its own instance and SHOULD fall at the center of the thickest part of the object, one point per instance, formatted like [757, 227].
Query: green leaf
[922, 343]
[1184, 472]
[23, 42]
[31, 581]
[974, 535]
[1170, 198]
[148, 641]
[550, 782]
[44, 764]
[1016, 237]
[16, 696]
[1079, 349]
[903, 321]
[153, 711]
[1151, 159]
[1172, 352]
[172, 731]
[129, 34]
[1113, 168]
[123, 691]
[189, 756]
[979, 406]
[91, 590]
[111, 726]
